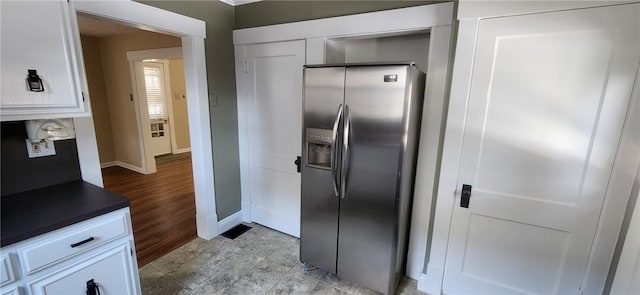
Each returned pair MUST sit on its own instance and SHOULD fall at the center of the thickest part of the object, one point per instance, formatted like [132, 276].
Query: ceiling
[97, 27]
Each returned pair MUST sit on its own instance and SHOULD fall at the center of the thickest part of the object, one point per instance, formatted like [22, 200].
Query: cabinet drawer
[109, 270]
[82, 238]
[6, 270]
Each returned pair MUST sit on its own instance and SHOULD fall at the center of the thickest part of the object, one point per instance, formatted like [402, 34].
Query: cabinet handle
[92, 288]
[82, 242]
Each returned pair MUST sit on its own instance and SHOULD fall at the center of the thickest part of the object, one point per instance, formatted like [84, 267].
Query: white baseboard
[123, 165]
[207, 226]
[130, 167]
[411, 270]
[422, 283]
[229, 222]
[431, 282]
[108, 164]
[180, 151]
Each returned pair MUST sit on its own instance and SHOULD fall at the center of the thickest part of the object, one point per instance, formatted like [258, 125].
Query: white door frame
[437, 19]
[628, 269]
[469, 15]
[192, 32]
[148, 159]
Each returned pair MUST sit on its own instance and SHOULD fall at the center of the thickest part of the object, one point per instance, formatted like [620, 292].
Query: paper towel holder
[51, 129]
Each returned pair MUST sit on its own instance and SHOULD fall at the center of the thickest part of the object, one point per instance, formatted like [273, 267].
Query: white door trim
[240, 53]
[617, 201]
[193, 32]
[160, 53]
[144, 17]
[610, 217]
[387, 21]
[436, 17]
[433, 114]
[451, 150]
[626, 277]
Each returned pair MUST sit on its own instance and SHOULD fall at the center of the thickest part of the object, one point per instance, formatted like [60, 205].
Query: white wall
[411, 47]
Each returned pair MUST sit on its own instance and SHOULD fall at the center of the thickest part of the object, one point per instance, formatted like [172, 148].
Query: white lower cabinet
[94, 233]
[106, 273]
[95, 256]
[6, 271]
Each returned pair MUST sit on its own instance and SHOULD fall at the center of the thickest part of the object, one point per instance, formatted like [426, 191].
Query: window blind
[155, 96]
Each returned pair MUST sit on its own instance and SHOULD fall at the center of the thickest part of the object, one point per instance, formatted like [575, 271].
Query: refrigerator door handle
[334, 150]
[345, 152]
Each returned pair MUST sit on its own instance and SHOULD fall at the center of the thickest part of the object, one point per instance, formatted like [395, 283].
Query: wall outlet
[41, 148]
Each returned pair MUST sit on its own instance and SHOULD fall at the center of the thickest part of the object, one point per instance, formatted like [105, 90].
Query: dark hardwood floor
[163, 210]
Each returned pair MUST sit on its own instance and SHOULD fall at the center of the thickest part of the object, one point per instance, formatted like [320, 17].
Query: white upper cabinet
[41, 36]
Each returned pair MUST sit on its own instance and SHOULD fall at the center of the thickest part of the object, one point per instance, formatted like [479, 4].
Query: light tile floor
[260, 261]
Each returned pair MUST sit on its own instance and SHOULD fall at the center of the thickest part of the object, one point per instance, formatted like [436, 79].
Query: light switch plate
[40, 149]
[213, 100]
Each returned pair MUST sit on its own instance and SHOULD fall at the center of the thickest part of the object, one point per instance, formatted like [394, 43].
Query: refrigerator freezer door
[378, 111]
[323, 97]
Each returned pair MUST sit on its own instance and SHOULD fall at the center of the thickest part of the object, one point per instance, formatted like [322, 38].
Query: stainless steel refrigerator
[360, 135]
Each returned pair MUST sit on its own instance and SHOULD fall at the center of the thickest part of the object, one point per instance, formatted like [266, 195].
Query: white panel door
[548, 97]
[155, 93]
[275, 104]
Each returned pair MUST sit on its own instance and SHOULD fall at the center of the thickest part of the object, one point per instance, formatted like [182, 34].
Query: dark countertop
[28, 214]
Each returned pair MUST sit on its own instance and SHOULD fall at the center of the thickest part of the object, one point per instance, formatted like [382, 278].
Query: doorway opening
[162, 194]
[157, 76]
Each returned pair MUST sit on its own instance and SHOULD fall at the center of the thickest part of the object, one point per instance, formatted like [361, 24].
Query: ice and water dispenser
[318, 144]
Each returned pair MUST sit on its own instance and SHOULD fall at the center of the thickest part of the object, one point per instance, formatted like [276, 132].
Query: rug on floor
[171, 157]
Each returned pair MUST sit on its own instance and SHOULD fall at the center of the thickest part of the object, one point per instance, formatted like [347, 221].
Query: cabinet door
[38, 35]
[6, 270]
[548, 97]
[112, 271]
[275, 112]
[14, 291]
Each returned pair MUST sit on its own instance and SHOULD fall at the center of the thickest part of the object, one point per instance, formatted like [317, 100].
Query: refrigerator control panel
[318, 145]
[319, 135]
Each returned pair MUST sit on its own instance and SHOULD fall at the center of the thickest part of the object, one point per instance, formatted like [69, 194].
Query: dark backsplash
[18, 173]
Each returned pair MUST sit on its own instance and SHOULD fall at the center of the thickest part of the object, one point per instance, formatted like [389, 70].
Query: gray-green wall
[221, 81]
[221, 19]
[272, 12]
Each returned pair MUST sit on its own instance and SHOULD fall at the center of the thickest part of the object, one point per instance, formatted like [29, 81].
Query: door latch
[298, 161]
[465, 196]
